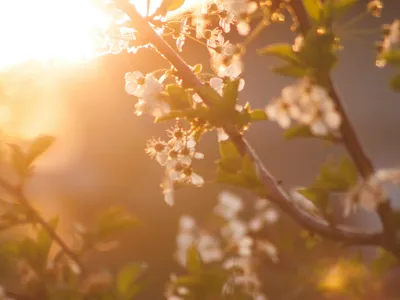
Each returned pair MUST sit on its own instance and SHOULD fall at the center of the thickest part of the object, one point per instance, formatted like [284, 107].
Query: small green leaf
[234, 179]
[395, 83]
[392, 57]
[258, 115]
[178, 97]
[126, 280]
[384, 262]
[290, 71]
[297, 131]
[207, 92]
[318, 51]
[331, 178]
[230, 93]
[340, 7]
[249, 170]
[193, 260]
[170, 5]
[283, 51]
[319, 197]
[313, 8]
[18, 160]
[113, 221]
[197, 68]
[38, 147]
[43, 239]
[349, 171]
[228, 150]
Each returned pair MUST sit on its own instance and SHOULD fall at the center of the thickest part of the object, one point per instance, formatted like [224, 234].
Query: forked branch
[276, 193]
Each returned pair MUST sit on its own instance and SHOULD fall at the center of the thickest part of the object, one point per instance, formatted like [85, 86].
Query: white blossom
[268, 248]
[234, 230]
[229, 205]
[369, 194]
[209, 248]
[307, 104]
[147, 89]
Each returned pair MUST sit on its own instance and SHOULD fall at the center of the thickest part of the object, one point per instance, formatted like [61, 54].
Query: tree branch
[20, 197]
[276, 194]
[349, 137]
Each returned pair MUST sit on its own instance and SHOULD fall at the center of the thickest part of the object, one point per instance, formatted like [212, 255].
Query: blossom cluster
[176, 156]
[233, 246]
[390, 42]
[225, 56]
[369, 193]
[307, 104]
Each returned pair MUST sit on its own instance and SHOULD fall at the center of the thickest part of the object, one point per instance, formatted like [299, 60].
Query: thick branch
[20, 197]
[275, 193]
[348, 135]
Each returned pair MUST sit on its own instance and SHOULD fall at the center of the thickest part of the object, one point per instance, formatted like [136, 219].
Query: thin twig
[349, 137]
[276, 193]
[20, 197]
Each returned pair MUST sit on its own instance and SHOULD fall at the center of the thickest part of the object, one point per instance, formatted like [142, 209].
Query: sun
[53, 30]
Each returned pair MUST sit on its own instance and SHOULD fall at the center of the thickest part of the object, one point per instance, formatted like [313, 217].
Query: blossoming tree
[226, 259]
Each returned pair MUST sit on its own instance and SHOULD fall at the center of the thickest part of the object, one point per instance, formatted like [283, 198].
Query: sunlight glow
[53, 30]
[41, 40]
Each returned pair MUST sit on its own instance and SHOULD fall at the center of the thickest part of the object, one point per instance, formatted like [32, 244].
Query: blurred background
[98, 159]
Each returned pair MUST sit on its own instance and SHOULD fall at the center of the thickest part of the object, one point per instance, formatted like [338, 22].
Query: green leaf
[283, 51]
[384, 262]
[395, 83]
[318, 51]
[228, 150]
[230, 93]
[258, 115]
[126, 280]
[197, 68]
[331, 178]
[174, 4]
[170, 5]
[392, 57]
[249, 169]
[319, 197]
[18, 160]
[38, 147]
[44, 240]
[340, 7]
[193, 261]
[178, 97]
[233, 179]
[313, 8]
[290, 71]
[113, 221]
[297, 131]
[207, 92]
[349, 171]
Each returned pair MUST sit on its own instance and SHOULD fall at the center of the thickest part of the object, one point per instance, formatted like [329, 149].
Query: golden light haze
[61, 31]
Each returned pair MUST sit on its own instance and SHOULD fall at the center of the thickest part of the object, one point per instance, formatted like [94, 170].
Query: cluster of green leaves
[201, 281]
[317, 52]
[43, 269]
[237, 170]
[22, 161]
[219, 111]
[334, 176]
